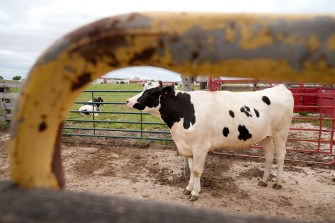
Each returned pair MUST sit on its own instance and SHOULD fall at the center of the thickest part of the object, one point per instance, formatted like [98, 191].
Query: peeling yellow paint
[331, 42]
[313, 43]
[230, 34]
[251, 40]
[291, 39]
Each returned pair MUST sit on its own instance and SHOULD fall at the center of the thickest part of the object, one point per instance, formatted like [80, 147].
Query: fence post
[332, 131]
[141, 125]
[93, 116]
[320, 117]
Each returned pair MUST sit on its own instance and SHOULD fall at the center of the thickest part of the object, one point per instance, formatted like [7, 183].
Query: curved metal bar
[278, 47]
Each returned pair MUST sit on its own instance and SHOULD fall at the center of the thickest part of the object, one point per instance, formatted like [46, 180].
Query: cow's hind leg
[267, 144]
[186, 168]
[280, 152]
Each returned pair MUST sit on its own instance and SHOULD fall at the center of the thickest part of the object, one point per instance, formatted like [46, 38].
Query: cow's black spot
[175, 107]
[225, 131]
[256, 112]
[266, 100]
[85, 113]
[244, 133]
[231, 113]
[43, 126]
[246, 110]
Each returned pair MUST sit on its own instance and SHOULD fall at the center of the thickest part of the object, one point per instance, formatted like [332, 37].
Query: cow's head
[149, 99]
[99, 99]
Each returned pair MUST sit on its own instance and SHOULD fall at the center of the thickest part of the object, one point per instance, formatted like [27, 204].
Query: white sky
[28, 27]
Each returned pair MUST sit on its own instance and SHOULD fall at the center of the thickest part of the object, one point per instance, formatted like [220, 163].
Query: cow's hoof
[187, 192]
[262, 184]
[277, 187]
[193, 198]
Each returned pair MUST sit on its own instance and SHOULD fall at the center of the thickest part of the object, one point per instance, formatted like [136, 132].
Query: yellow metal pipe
[277, 47]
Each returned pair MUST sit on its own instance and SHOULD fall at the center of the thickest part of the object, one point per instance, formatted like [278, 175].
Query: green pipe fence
[116, 119]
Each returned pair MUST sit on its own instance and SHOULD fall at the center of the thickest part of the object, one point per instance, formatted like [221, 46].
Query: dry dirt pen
[152, 171]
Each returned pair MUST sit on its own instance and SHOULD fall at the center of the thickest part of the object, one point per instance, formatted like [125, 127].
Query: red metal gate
[311, 136]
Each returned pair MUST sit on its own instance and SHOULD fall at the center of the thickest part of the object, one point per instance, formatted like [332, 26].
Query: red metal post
[332, 132]
[211, 84]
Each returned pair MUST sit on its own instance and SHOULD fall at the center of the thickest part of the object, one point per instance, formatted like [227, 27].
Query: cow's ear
[160, 83]
[166, 90]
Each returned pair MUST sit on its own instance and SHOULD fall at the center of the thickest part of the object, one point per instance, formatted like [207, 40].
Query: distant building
[100, 80]
[137, 80]
[109, 80]
[118, 81]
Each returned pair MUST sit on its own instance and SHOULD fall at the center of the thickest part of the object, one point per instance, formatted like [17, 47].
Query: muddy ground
[152, 171]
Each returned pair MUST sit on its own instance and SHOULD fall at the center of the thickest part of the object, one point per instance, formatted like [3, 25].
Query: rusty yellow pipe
[278, 47]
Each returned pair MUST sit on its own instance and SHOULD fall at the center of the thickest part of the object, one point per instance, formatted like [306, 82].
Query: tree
[17, 78]
[188, 83]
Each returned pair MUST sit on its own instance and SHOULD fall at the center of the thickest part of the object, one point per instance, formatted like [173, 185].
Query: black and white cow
[91, 106]
[202, 121]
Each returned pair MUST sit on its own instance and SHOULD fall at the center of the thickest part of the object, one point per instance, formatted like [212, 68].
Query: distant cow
[202, 121]
[91, 106]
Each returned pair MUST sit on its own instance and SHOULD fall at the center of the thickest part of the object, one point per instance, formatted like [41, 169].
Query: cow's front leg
[196, 171]
[189, 187]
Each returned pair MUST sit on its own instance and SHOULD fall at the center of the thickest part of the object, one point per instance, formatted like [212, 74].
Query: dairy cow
[91, 107]
[202, 121]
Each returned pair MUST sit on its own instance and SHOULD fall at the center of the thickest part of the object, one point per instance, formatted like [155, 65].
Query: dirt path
[151, 171]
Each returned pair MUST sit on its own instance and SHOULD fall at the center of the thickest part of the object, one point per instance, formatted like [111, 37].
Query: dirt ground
[152, 171]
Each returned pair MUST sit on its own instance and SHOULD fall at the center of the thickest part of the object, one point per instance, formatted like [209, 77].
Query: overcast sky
[28, 27]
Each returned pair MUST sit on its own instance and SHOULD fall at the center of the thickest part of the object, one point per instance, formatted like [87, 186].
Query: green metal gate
[114, 119]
